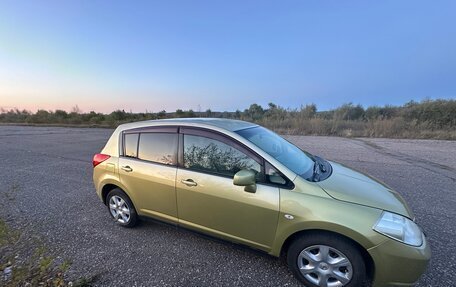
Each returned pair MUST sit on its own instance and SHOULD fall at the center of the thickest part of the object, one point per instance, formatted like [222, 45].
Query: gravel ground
[46, 188]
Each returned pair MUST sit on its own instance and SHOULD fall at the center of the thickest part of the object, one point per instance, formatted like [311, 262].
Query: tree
[308, 112]
[76, 110]
[179, 113]
[255, 112]
[190, 113]
[272, 106]
[118, 115]
[349, 112]
[161, 114]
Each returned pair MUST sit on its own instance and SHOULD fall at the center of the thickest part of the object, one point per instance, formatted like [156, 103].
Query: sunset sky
[224, 55]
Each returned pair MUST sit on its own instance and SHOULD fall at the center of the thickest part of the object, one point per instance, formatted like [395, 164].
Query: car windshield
[286, 153]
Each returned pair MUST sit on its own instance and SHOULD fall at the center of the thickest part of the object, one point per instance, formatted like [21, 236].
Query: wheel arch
[109, 185]
[106, 189]
[370, 265]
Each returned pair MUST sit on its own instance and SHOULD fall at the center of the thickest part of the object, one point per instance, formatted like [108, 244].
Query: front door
[208, 201]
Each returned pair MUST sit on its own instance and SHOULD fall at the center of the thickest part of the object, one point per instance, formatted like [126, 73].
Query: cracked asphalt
[46, 189]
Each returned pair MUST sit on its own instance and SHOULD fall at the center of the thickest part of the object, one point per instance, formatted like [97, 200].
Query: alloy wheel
[119, 209]
[325, 266]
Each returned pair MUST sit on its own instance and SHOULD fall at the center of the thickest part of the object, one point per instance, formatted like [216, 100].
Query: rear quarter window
[131, 145]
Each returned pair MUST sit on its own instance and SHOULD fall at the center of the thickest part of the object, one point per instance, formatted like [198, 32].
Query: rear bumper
[97, 190]
[398, 264]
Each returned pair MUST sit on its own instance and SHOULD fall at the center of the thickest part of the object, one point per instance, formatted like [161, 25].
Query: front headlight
[399, 228]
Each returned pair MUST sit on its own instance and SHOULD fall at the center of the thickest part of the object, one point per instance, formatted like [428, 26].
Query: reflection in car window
[205, 154]
[283, 151]
[273, 175]
[131, 145]
[158, 147]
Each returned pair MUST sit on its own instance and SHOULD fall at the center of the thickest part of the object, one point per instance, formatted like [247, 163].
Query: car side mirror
[247, 178]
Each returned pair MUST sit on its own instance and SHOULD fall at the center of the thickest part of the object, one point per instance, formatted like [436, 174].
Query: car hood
[349, 185]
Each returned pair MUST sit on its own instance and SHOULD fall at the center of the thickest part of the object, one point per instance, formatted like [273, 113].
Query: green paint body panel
[322, 213]
[348, 203]
[352, 186]
[153, 187]
[398, 264]
[220, 206]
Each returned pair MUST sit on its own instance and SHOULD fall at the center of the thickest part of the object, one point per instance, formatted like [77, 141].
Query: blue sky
[224, 55]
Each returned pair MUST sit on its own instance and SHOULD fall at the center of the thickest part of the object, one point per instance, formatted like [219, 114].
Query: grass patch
[26, 262]
[7, 236]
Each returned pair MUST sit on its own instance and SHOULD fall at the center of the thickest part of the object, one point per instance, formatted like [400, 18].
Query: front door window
[213, 156]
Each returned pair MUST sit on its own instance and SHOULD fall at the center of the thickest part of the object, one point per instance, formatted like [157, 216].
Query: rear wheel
[121, 208]
[326, 260]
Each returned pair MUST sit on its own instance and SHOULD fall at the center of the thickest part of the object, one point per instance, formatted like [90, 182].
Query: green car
[241, 182]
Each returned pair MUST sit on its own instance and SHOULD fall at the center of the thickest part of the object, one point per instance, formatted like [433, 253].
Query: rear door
[207, 199]
[148, 170]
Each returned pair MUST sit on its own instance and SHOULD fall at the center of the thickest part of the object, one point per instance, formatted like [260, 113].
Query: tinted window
[204, 154]
[131, 145]
[273, 175]
[283, 151]
[158, 147]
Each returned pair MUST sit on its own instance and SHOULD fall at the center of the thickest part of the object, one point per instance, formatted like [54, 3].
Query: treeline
[426, 119]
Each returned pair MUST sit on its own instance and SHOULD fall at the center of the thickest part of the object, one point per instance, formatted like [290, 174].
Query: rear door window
[158, 147]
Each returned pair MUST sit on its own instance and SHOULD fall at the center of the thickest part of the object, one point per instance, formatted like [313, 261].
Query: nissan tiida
[243, 183]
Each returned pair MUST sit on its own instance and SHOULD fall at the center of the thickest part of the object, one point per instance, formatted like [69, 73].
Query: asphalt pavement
[46, 189]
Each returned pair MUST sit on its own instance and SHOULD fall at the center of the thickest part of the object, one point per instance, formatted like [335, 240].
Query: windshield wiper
[316, 172]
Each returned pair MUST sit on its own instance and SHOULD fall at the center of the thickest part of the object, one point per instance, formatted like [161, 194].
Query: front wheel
[326, 260]
[121, 208]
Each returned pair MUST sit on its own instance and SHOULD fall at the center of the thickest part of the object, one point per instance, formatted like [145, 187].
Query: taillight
[99, 158]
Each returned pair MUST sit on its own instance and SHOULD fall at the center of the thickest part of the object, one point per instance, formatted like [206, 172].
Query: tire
[325, 259]
[121, 208]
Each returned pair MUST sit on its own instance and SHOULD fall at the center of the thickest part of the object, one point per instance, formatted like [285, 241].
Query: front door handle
[127, 168]
[189, 182]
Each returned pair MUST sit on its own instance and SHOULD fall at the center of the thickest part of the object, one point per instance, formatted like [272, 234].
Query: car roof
[226, 124]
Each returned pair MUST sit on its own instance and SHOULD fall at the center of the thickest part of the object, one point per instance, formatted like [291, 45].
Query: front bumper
[398, 264]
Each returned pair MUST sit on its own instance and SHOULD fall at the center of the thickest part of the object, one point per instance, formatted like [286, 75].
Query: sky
[224, 55]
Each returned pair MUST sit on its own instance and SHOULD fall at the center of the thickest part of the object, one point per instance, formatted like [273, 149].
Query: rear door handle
[127, 168]
[189, 182]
